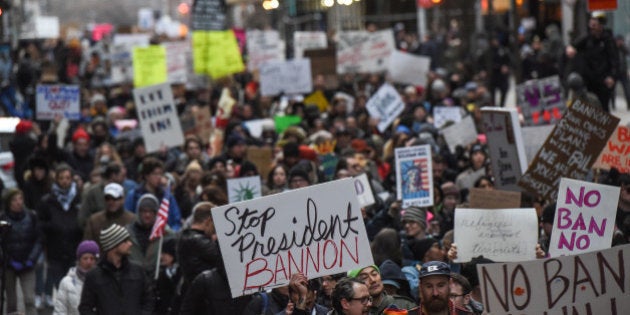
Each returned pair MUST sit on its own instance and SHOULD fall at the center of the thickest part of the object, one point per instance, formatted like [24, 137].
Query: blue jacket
[174, 216]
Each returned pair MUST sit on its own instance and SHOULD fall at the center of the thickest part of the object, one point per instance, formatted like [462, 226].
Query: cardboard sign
[286, 77]
[244, 188]
[364, 190]
[323, 61]
[176, 67]
[263, 46]
[407, 68]
[498, 234]
[386, 105]
[505, 145]
[203, 123]
[541, 100]
[462, 133]
[480, 198]
[317, 230]
[444, 114]
[592, 283]
[585, 217]
[616, 152]
[570, 150]
[64, 100]
[414, 176]
[216, 53]
[534, 138]
[308, 41]
[158, 117]
[364, 52]
[208, 15]
[262, 158]
[149, 65]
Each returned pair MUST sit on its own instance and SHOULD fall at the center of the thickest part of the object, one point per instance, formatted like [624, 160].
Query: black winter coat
[197, 253]
[24, 240]
[62, 233]
[210, 294]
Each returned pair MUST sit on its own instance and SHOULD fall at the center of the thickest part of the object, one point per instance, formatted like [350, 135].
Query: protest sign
[363, 51]
[158, 117]
[64, 100]
[244, 188]
[261, 157]
[256, 126]
[534, 138]
[481, 198]
[585, 217]
[263, 46]
[364, 190]
[318, 99]
[286, 77]
[317, 230]
[407, 68]
[497, 234]
[40, 27]
[208, 15]
[323, 61]
[176, 67]
[414, 176]
[570, 150]
[121, 68]
[616, 153]
[149, 65]
[505, 145]
[284, 122]
[328, 165]
[216, 53]
[444, 114]
[541, 100]
[591, 283]
[462, 133]
[308, 41]
[385, 105]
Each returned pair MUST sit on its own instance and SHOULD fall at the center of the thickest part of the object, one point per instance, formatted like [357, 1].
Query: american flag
[162, 216]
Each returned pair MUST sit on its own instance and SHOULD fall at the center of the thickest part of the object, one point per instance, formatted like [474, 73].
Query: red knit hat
[307, 153]
[24, 126]
[80, 133]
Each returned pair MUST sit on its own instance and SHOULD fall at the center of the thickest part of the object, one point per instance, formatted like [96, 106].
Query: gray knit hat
[148, 201]
[112, 237]
[415, 214]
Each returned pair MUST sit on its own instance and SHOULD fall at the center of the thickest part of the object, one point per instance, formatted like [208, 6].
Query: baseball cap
[434, 268]
[114, 190]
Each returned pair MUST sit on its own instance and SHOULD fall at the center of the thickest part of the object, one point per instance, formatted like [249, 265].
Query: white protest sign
[462, 133]
[541, 100]
[444, 114]
[364, 190]
[64, 100]
[243, 188]
[617, 151]
[533, 138]
[591, 283]
[256, 126]
[506, 147]
[316, 230]
[585, 217]
[263, 46]
[496, 234]
[408, 69]
[288, 77]
[158, 117]
[364, 52]
[385, 105]
[121, 55]
[39, 26]
[176, 57]
[414, 176]
[308, 40]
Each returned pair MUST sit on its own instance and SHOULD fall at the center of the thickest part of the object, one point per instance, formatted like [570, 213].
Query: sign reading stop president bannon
[316, 230]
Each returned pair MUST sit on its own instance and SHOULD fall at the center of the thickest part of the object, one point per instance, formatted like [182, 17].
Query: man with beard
[435, 291]
[371, 276]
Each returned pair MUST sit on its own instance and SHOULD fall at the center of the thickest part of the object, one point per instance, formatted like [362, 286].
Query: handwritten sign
[158, 117]
[385, 105]
[288, 77]
[216, 53]
[591, 283]
[263, 46]
[316, 230]
[364, 52]
[616, 152]
[407, 68]
[506, 147]
[244, 188]
[149, 65]
[585, 217]
[414, 176]
[308, 41]
[462, 133]
[541, 100]
[570, 150]
[480, 198]
[364, 190]
[444, 114]
[121, 56]
[64, 100]
[208, 15]
[534, 138]
[498, 234]
[176, 67]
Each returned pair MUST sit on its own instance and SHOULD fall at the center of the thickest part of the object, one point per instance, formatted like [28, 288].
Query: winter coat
[92, 202]
[69, 294]
[82, 165]
[147, 258]
[24, 241]
[196, 253]
[61, 230]
[21, 146]
[210, 294]
[174, 216]
[104, 219]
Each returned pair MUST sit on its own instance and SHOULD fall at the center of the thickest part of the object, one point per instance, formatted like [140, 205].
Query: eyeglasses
[364, 300]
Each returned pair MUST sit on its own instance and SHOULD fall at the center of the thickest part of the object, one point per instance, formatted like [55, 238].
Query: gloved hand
[16, 265]
[28, 264]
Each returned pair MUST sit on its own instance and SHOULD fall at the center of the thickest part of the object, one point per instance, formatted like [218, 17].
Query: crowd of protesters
[89, 193]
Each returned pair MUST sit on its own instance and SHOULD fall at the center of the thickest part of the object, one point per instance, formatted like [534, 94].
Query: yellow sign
[317, 98]
[216, 53]
[149, 65]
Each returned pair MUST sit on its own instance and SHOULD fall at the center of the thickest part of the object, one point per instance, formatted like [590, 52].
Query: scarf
[65, 196]
[80, 273]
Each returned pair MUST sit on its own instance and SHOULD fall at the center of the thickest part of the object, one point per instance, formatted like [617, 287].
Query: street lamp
[270, 4]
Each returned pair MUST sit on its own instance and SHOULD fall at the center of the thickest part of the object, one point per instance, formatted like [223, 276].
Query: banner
[505, 145]
[462, 133]
[176, 56]
[316, 230]
[498, 234]
[591, 283]
[64, 100]
[541, 100]
[585, 217]
[364, 190]
[263, 46]
[286, 77]
[481, 198]
[616, 153]
[364, 52]
[386, 105]
[407, 68]
[149, 65]
[570, 150]
[414, 176]
[216, 53]
[158, 117]
[244, 188]
[444, 114]
[308, 41]
[208, 15]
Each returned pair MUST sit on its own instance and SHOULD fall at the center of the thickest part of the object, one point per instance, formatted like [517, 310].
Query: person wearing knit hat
[414, 220]
[427, 249]
[81, 157]
[371, 276]
[69, 293]
[112, 237]
[446, 215]
[144, 250]
[298, 178]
